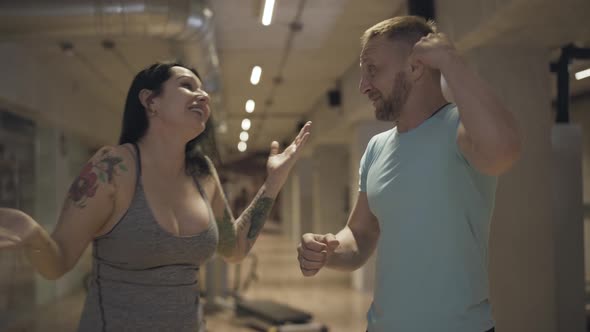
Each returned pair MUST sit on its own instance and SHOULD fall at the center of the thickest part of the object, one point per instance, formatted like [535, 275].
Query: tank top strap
[137, 161]
[201, 189]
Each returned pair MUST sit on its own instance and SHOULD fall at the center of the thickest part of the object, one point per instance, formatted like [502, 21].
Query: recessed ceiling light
[583, 74]
[250, 105]
[246, 124]
[244, 136]
[242, 146]
[255, 76]
[267, 13]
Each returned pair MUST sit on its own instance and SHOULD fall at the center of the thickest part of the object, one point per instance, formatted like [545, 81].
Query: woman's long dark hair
[135, 119]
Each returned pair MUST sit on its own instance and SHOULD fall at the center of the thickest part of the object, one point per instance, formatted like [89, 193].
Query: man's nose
[364, 85]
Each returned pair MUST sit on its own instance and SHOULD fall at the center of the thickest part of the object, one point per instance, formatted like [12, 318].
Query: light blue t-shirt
[434, 211]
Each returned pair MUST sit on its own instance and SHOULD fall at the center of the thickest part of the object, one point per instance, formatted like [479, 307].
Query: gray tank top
[143, 277]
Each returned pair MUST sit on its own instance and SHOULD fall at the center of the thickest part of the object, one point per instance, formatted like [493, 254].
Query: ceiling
[325, 47]
[309, 61]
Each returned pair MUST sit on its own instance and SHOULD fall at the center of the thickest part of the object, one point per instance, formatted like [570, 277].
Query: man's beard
[390, 109]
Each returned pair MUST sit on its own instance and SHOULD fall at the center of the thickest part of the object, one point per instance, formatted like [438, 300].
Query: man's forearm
[349, 256]
[490, 125]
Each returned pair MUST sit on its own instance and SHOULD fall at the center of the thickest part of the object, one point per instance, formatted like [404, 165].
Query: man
[427, 186]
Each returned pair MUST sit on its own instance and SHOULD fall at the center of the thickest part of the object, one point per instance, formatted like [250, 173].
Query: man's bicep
[477, 158]
[362, 222]
[468, 150]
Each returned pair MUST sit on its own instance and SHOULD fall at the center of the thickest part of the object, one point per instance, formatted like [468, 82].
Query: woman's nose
[203, 97]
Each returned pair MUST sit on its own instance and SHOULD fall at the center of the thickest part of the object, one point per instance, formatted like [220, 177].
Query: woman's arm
[237, 236]
[88, 206]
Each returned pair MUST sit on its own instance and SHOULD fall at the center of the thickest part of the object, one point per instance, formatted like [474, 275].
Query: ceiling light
[244, 136]
[583, 74]
[250, 104]
[255, 76]
[246, 124]
[242, 146]
[267, 13]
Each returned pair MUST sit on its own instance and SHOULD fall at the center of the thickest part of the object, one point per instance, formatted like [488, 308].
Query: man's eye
[188, 86]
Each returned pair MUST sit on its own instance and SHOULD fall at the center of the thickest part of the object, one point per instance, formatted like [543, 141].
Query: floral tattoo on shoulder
[94, 173]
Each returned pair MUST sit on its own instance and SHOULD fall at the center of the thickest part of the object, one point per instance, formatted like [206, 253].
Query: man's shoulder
[376, 143]
[379, 139]
[450, 114]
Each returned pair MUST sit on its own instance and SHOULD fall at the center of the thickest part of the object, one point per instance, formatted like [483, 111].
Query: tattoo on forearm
[256, 214]
[86, 184]
[227, 234]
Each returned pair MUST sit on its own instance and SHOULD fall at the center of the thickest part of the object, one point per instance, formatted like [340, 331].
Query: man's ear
[146, 98]
[416, 69]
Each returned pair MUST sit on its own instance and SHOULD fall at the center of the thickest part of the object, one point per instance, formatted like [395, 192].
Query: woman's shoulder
[122, 156]
[113, 163]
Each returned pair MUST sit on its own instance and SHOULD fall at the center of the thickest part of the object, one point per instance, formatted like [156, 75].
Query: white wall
[580, 114]
[47, 95]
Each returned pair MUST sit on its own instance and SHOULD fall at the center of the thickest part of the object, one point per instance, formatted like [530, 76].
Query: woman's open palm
[279, 164]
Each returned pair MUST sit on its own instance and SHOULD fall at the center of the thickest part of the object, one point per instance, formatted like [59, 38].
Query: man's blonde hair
[400, 28]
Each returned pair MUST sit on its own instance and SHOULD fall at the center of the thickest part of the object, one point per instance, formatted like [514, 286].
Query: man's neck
[418, 109]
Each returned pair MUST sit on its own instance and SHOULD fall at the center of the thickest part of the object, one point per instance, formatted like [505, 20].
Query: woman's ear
[146, 98]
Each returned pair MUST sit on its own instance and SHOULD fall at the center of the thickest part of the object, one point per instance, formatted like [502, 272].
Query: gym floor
[327, 296]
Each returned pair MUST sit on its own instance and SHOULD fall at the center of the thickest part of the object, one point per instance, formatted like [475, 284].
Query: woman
[144, 205]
